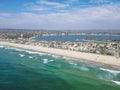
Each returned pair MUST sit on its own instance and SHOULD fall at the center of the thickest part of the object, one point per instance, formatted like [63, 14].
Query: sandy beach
[109, 60]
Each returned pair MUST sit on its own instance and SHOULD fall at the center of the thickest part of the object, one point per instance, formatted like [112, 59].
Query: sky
[60, 14]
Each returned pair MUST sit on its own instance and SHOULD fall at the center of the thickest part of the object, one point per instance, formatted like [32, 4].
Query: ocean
[77, 38]
[28, 70]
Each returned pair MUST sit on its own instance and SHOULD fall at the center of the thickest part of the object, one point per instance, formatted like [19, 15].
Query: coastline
[102, 59]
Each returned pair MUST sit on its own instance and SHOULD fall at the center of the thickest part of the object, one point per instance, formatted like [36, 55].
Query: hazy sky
[60, 14]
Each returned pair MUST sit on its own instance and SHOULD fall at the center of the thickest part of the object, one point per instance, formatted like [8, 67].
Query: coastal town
[88, 46]
[59, 44]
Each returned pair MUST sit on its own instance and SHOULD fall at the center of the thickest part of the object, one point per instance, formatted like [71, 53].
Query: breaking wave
[54, 56]
[116, 82]
[17, 49]
[1, 46]
[33, 52]
[30, 57]
[115, 72]
[45, 61]
[67, 58]
[84, 68]
[21, 55]
[51, 60]
[72, 63]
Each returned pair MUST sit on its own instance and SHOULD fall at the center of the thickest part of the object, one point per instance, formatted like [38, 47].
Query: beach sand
[104, 59]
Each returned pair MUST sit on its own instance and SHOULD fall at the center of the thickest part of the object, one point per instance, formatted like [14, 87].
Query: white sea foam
[17, 49]
[21, 55]
[66, 58]
[106, 76]
[115, 72]
[84, 68]
[116, 82]
[51, 60]
[30, 57]
[54, 56]
[45, 61]
[48, 54]
[72, 63]
[1, 46]
[9, 48]
[33, 52]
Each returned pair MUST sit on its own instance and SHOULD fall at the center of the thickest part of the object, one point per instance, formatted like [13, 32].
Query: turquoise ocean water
[27, 70]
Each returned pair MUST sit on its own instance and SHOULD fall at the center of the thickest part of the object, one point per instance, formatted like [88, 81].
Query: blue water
[28, 70]
[77, 38]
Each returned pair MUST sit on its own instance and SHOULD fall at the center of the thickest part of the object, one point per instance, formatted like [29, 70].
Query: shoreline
[101, 59]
